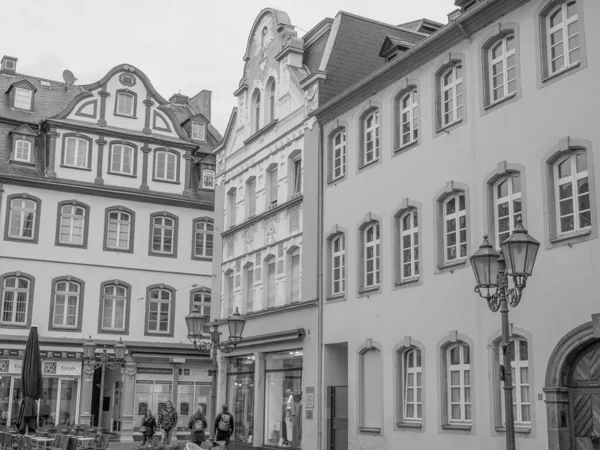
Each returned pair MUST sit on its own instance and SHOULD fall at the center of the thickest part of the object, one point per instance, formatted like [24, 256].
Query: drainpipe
[320, 296]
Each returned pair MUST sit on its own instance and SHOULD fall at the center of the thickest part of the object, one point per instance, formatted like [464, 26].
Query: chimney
[201, 103]
[9, 65]
[179, 99]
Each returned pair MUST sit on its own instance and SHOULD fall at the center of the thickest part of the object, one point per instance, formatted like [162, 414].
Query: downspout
[320, 297]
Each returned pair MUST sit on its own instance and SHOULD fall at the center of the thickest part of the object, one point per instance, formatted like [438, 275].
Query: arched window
[572, 193]
[269, 287]
[73, 223]
[201, 300]
[502, 70]
[256, 110]
[372, 261]
[338, 155]
[455, 227]
[562, 37]
[370, 389]
[119, 229]
[412, 385]
[458, 378]
[370, 142]
[163, 232]
[452, 94]
[508, 206]
[67, 303]
[23, 223]
[17, 296]
[408, 229]
[271, 92]
[338, 265]
[115, 307]
[160, 309]
[408, 118]
[203, 238]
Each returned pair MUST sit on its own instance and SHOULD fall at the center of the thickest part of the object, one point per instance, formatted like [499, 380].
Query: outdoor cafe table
[41, 442]
[84, 442]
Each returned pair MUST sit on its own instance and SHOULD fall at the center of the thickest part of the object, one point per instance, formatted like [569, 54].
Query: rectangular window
[166, 166]
[208, 179]
[203, 239]
[59, 401]
[163, 235]
[409, 111]
[76, 153]
[371, 390]
[113, 307]
[295, 276]
[371, 137]
[15, 300]
[297, 176]
[231, 207]
[66, 304]
[339, 155]
[122, 159]
[159, 309]
[199, 131]
[251, 198]
[502, 68]
[283, 399]
[459, 383]
[455, 228]
[563, 40]
[22, 219]
[270, 285]
[338, 265]
[272, 188]
[240, 392]
[23, 98]
[572, 193]
[201, 302]
[72, 224]
[452, 95]
[22, 151]
[119, 230]
[125, 104]
[249, 288]
[229, 292]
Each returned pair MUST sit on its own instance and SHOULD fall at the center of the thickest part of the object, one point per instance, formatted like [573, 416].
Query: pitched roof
[48, 101]
[183, 113]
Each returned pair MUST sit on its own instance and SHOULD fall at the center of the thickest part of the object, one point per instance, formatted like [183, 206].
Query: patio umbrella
[31, 382]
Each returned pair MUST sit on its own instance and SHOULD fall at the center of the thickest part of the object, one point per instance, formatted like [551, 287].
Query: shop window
[163, 234]
[201, 299]
[240, 397]
[283, 399]
[203, 238]
[58, 404]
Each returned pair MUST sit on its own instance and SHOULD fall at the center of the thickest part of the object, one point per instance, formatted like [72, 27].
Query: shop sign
[70, 368]
[44, 354]
[155, 370]
[189, 383]
[144, 381]
[309, 398]
[203, 383]
[162, 382]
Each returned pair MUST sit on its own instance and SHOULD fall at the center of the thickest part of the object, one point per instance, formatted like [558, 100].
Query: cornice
[117, 192]
[316, 75]
[261, 216]
[261, 132]
[242, 88]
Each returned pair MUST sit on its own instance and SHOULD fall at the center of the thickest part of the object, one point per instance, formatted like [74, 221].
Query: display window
[240, 396]
[189, 396]
[283, 399]
[152, 395]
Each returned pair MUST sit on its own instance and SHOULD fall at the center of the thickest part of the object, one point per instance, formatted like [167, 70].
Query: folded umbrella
[31, 383]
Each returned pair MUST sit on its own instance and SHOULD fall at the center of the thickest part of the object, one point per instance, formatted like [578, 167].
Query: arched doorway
[572, 388]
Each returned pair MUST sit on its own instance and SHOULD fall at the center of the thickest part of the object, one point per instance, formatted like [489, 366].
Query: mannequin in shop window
[289, 413]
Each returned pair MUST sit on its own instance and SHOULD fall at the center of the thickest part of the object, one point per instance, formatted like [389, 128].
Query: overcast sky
[181, 45]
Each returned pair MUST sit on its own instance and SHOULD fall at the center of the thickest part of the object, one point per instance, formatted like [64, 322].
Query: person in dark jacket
[224, 425]
[149, 424]
[167, 420]
[197, 424]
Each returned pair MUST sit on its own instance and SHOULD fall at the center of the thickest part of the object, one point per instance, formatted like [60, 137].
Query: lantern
[195, 325]
[520, 251]
[236, 326]
[485, 268]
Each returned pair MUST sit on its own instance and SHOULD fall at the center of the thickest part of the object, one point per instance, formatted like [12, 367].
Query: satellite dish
[69, 78]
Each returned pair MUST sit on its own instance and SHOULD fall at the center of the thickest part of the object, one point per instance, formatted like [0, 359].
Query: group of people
[198, 425]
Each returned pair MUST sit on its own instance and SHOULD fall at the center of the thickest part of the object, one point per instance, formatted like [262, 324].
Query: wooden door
[586, 418]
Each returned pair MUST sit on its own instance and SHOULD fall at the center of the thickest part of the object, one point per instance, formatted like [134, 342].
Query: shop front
[61, 372]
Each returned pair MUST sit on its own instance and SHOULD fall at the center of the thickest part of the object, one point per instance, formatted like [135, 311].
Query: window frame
[80, 304]
[342, 256]
[229, 291]
[563, 27]
[30, 93]
[15, 158]
[86, 224]
[175, 236]
[172, 302]
[414, 229]
[453, 86]
[166, 152]
[462, 368]
[343, 154]
[204, 184]
[134, 96]
[126, 308]
[255, 110]
[290, 254]
[414, 118]
[250, 197]
[451, 189]
[365, 223]
[207, 221]
[205, 292]
[400, 351]
[572, 179]
[375, 129]
[455, 59]
[248, 294]
[506, 54]
[134, 158]
[375, 246]
[271, 88]
[121, 209]
[198, 136]
[231, 207]
[363, 428]
[30, 299]
[78, 138]
[272, 186]
[35, 223]
[456, 216]
[268, 290]
[510, 198]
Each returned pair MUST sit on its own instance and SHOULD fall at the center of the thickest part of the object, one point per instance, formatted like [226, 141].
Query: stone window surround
[86, 223]
[564, 147]
[77, 328]
[36, 225]
[31, 140]
[107, 211]
[175, 244]
[135, 98]
[158, 150]
[134, 161]
[444, 427]
[339, 126]
[294, 156]
[543, 79]
[367, 220]
[370, 107]
[503, 30]
[451, 60]
[452, 188]
[173, 301]
[127, 307]
[63, 158]
[30, 299]
[333, 233]
[408, 343]
[407, 85]
[368, 345]
[194, 222]
[405, 205]
[495, 386]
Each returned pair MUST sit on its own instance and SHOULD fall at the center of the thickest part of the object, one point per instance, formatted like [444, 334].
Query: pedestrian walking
[224, 425]
[167, 420]
[197, 425]
[148, 427]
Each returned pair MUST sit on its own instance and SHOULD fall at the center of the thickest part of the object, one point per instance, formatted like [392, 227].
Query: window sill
[64, 329]
[407, 281]
[445, 128]
[89, 169]
[407, 146]
[566, 237]
[561, 71]
[457, 426]
[13, 325]
[369, 430]
[110, 331]
[369, 290]
[453, 264]
[202, 258]
[518, 429]
[499, 102]
[336, 297]
[162, 255]
[158, 334]
[165, 181]
[67, 244]
[22, 163]
[368, 164]
[416, 425]
[119, 174]
[337, 179]
[125, 115]
[260, 132]
[19, 239]
[204, 188]
[118, 250]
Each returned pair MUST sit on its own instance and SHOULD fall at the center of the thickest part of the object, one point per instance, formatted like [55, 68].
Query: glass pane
[523, 353]
[283, 398]
[564, 168]
[581, 162]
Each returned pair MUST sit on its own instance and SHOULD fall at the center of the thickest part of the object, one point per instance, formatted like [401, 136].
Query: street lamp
[195, 325]
[92, 362]
[492, 270]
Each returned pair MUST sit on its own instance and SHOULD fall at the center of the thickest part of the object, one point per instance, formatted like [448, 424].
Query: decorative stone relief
[263, 34]
[249, 238]
[310, 98]
[269, 228]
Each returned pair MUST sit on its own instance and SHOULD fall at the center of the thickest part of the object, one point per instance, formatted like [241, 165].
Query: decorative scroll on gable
[160, 123]
[88, 109]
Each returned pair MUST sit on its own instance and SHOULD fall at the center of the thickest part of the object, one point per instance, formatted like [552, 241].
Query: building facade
[107, 217]
[488, 120]
[267, 264]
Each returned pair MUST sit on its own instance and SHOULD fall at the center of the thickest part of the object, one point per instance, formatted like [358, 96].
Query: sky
[181, 45]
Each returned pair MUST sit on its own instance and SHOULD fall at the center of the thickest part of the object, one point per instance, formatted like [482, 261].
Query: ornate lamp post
[195, 325]
[104, 360]
[492, 270]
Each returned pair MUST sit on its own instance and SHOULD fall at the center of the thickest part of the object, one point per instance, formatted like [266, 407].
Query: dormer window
[199, 131]
[23, 98]
[22, 152]
[9, 64]
[125, 104]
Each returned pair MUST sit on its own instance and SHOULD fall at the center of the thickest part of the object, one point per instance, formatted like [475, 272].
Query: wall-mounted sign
[184, 409]
[189, 383]
[142, 407]
[144, 381]
[44, 353]
[50, 368]
[309, 398]
[163, 382]
[155, 370]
